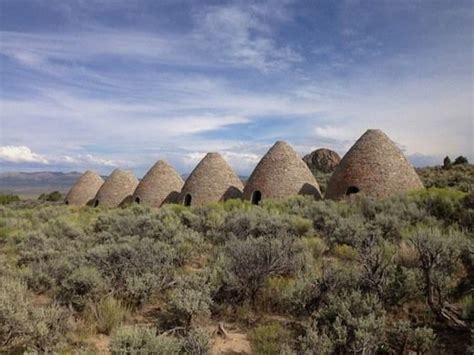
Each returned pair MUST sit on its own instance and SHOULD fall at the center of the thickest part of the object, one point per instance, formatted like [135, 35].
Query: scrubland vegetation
[296, 277]
[458, 176]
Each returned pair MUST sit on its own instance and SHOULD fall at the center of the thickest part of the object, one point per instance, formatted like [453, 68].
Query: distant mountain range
[30, 185]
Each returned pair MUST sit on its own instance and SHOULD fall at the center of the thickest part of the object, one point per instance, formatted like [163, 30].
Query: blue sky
[121, 83]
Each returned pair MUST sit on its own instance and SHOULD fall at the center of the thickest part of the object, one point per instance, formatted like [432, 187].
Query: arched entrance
[352, 190]
[96, 203]
[256, 197]
[137, 200]
[187, 200]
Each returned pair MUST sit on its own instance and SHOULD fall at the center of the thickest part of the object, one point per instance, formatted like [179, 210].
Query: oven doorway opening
[187, 200]
[352, 190]
[256, 197]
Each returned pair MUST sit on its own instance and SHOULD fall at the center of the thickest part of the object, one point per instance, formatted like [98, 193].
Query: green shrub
[197, 342]
[6, 199]
[422, 340]
[301, 226]
[314, 343]
[460, 160]
[466, 212]
[439, 256]
[268, 339]
[443, 204]
[402, 285]
[108, 314]
[134, 267]
[418, 339]
[25, 327]
[259, 222]
[447, 163]
[354, 322]
[54, 196]
[191, 298]
[248, 263]
[345, 252]
[142, 340]
[84, 284]
[467, 308]
[315, 246]
[300, 296]
[459, 177]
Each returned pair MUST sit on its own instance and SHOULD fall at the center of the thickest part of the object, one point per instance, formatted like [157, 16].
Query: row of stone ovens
[374, 166]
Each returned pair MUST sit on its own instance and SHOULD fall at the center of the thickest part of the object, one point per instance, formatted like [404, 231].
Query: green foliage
[439, 259]
[316, 247]
[83, 285]
[353, 322]
[108, 314]
[467, 308]
[423, 339]
[345, 252]
[419, 339]
[191, 298]
[54, 196]
[440, 203]
[142, 340]
[337, 273]
[314, 343]
[134, 267]
[459, 177]
[460, 160]
[268, 339]
[447, 163]
[24, 327]
[196, 342]
[247, 263]
[6, 199]
[466, 213]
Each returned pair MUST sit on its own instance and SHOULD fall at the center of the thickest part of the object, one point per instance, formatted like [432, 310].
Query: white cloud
[20, 154]
[239, 161]
[242, 36]
[83, 160]
[333, 132]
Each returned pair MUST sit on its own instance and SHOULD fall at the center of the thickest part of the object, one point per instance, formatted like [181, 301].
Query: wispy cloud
[242, 36]
[240, 161]
[232, 36]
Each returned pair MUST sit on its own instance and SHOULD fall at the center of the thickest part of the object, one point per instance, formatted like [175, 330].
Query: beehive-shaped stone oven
[280, 174]
[161, 184]
[373, 166]
[212, 180]
[118, 187]
[85, 189]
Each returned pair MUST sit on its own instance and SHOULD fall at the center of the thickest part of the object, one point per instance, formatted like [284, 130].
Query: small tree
[447, 163]
[248, 263]
[460, 160]
[438, 256]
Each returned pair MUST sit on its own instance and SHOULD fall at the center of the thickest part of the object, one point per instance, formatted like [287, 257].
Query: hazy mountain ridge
[35, 183]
